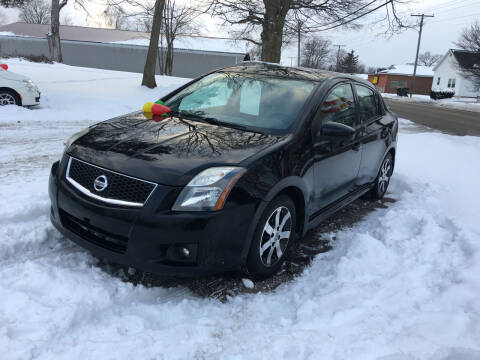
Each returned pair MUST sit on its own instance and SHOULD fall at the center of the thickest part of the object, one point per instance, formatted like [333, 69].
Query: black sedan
[246, 161]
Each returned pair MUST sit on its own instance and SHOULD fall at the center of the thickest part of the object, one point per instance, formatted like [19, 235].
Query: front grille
[99, 237]
[120, 190]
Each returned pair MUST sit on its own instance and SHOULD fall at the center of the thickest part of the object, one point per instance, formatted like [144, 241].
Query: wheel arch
[14, 92]
[392, 151]
[297, 190]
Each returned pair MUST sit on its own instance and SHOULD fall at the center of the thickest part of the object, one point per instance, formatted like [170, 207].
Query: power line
[318, 28]
[348, 15]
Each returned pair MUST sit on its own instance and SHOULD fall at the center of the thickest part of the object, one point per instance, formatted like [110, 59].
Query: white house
[448, 73]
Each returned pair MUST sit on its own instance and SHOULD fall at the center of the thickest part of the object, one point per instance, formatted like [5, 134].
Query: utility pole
[422, 16]
[299, 34]
[338, 56]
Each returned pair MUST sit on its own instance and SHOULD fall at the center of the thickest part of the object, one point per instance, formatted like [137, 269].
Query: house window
[438, 81]
[396, 84]
[451, 83]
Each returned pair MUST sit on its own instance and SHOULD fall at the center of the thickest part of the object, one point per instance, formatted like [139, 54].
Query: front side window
[255, 101]
[368, 108]
[339, 106]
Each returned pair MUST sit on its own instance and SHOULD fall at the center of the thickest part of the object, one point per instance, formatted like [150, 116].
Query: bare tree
[116, 17]
[277, 20]
[149, 18]
[35, 12]
[316, 52]
[12, 3]
[470, 41]
[428, 59]
[177, 19]
[66, 20]
[53, 35]
[151, 62]
[470, 38]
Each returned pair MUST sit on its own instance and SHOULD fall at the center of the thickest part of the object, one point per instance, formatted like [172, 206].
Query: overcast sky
[439, 33]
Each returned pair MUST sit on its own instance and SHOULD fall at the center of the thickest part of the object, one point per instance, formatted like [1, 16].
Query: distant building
[120, 50]
[400, 76]
[448, 73]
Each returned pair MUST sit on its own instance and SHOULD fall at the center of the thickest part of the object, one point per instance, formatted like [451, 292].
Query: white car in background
[16, 89]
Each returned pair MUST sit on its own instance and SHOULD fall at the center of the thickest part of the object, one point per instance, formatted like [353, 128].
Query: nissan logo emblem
[100, 183]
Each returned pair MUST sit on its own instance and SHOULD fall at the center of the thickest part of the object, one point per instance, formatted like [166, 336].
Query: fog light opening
[184, 252]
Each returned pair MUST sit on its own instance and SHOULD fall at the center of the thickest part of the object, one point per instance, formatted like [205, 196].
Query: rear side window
[340, 106]
[368, 107]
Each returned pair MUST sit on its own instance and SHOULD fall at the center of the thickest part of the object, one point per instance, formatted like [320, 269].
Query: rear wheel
[273, 235]
[9, 97]
[383, 178]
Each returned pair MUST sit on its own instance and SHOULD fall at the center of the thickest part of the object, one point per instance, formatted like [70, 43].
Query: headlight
[74, 138]
[209, 190]
[29, 84]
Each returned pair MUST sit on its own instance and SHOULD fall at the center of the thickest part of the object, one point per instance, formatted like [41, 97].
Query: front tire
[274, 234]
[383, 178]
[9, 97]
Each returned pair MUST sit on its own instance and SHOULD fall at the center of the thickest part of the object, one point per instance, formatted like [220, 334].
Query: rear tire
[274, 234]
[383, 178]
[9, 97]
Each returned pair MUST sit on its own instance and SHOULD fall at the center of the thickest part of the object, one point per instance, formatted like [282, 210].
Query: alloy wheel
[275, 236]
[384, 178]
[7, 99]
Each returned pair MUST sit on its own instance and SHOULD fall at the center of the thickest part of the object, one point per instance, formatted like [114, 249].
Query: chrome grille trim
[87, 192]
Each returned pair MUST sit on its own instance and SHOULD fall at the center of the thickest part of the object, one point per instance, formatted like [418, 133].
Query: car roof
[298, 73]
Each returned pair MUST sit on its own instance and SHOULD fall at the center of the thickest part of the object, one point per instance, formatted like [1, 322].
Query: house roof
[80, 33]
[467, 59]
[425, 71]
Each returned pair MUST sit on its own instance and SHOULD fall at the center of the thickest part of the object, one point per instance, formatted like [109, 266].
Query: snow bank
[75, 93]
[467, 104]
[402, 284]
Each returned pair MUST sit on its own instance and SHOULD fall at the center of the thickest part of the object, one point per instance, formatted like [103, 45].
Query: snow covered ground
[402, 284]
[454, 103]
[74, 93]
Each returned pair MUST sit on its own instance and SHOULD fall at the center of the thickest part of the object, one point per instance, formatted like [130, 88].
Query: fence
[186, 63]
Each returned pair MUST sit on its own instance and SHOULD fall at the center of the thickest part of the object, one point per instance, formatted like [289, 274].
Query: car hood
[6, 74]
[169, 152]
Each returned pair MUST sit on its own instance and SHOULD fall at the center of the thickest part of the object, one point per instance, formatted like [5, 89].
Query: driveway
[450, 121]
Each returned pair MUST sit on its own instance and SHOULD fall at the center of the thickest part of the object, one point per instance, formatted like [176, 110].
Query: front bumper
[150, 238]
[30, 96]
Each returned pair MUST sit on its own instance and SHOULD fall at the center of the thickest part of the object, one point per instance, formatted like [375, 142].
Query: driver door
[337, 161]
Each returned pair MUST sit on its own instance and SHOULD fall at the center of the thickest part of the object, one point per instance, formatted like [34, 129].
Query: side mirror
[337, 131]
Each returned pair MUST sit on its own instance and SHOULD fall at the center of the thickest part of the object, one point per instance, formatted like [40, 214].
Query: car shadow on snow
[227, 285]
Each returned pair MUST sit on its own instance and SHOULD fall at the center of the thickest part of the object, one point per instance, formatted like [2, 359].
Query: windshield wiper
[214, 121]
[193, 116]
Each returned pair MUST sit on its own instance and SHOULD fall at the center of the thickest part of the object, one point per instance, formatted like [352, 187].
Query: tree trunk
[169, 59]
[151, 62]
[54, 35]
[272, 29]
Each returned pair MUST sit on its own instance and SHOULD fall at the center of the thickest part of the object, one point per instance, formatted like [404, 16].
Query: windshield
[251, 101]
